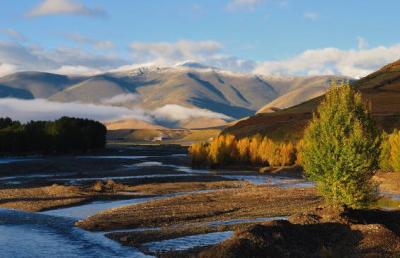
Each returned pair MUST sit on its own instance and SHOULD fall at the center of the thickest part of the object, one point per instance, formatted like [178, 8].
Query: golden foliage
[243, 147]
[226, 150]
[198, 152]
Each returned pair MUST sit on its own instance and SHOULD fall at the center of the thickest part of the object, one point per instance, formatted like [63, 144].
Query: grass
[175, 136]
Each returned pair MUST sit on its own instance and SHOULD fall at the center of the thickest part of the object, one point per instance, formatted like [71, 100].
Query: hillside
[131, 124]
[230, 94]
[381, 89]
[189, 85]
[36, 84]
[294, 98]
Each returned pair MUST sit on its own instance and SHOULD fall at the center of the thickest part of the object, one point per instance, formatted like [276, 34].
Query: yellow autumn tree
[287, 154]
[254, 149]
[198, 153]
[223, 150]
[243, 147]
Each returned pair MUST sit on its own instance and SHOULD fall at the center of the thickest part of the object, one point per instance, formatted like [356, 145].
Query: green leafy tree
[341, 148]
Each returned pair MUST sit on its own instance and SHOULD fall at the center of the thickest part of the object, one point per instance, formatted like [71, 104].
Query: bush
[341, 149]
[390, 152]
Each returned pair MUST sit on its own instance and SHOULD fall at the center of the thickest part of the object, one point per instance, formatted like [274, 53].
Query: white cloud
[121, 99]
[209, 53]
[66, 7]
[13, 34]
[7, 69]
[63, 60]
[353, 63]
[170, 53]
[99, 44]
[41, 109]
[174, 112]
[313, 16]
[243, 4]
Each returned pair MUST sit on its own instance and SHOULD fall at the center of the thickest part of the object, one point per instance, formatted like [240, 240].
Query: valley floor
[149, 198]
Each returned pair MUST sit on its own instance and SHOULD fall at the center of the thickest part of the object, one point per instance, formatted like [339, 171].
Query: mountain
[37, 84]
[9, 92]
[193, 86]
[234, 95]
[380, 89]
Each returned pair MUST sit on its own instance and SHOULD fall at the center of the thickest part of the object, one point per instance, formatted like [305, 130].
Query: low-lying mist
[42, 109]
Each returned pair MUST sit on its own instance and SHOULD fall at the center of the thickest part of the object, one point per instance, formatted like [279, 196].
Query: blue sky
[296, 37]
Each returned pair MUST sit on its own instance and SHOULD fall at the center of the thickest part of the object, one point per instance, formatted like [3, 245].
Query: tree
[198, 152]
[341, 148]
[223, 150]
[63, 135]
[243, 147]
[254, 149]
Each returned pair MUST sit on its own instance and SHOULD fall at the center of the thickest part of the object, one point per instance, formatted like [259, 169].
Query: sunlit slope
[381, 89]
[230, 94]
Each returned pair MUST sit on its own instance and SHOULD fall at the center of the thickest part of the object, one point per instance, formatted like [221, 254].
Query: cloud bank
[172, 112]
[355, 63]
[42, 109]
[173, 52]
[63, 60]
[65, 7]
[332, 61]
[121, 99]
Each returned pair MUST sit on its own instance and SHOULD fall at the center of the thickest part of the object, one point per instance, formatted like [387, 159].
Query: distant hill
[190, 85]
[37, 84]
[299, 89]
[381, 89]
[9, 92]
[227, 93]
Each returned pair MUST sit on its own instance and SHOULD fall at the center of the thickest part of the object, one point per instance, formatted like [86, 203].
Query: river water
[52, 233]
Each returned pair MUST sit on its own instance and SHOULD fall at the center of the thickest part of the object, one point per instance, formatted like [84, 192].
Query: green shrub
[341, 148]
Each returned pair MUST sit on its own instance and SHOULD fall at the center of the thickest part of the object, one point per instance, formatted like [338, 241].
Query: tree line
[64, 135]
[341, 149]
[226, 150]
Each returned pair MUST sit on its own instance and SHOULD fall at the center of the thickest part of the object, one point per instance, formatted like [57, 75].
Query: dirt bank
[246, 202]
[363, 233]
[56, 196]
